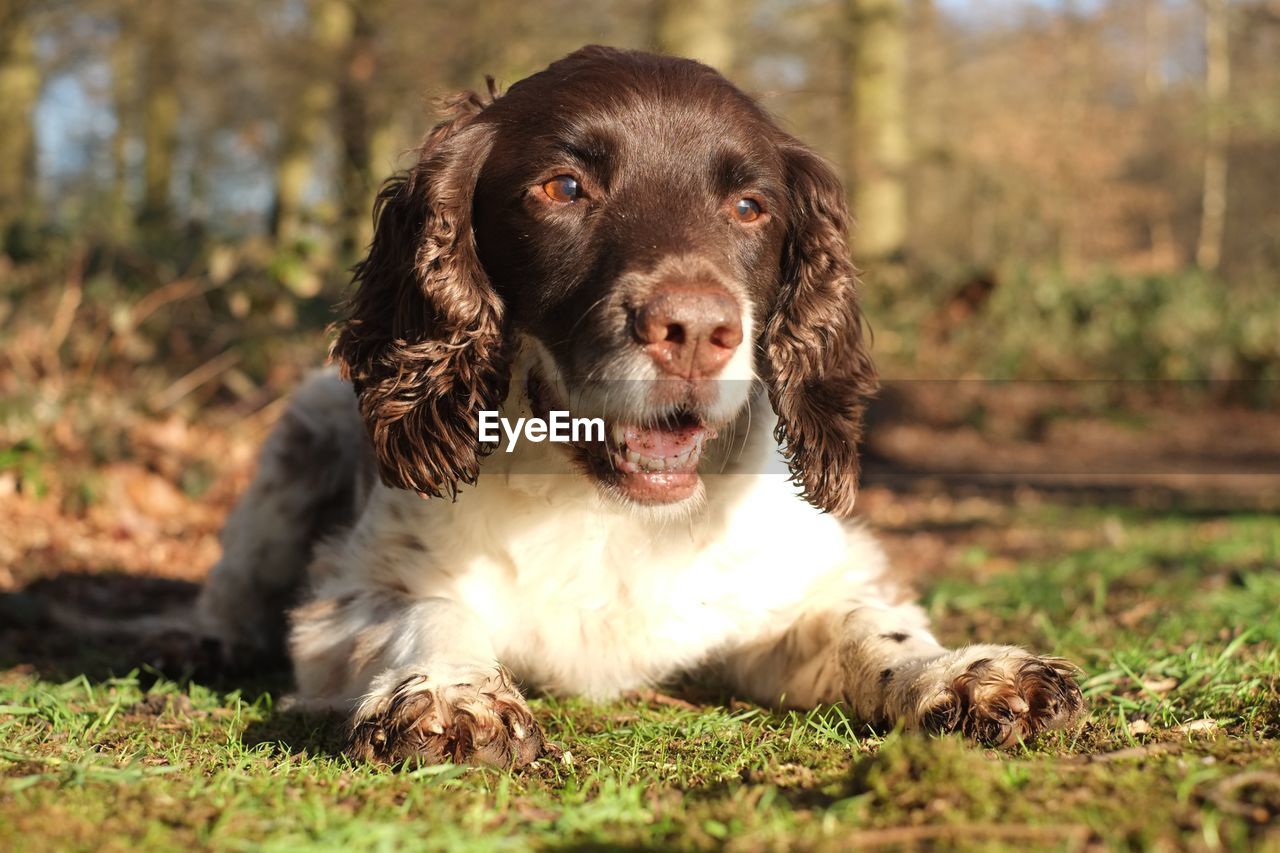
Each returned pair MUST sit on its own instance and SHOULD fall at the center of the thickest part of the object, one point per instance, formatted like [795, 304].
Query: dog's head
[659, 242]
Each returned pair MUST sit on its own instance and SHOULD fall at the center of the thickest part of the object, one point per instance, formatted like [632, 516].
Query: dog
[630, 238]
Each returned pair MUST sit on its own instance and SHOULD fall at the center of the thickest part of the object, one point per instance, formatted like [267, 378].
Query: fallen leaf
[1160, 685]
[1204, 725]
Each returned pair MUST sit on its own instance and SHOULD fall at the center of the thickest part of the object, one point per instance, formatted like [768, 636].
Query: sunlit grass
[1174, 626]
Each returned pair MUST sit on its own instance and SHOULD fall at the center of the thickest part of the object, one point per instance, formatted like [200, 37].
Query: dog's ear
[424, 342]
[818, 368]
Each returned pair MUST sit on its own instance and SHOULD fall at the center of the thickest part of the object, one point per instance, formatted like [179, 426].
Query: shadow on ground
[299, 733]
[113, 624]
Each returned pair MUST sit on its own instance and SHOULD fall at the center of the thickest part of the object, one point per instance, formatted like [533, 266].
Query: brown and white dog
[627, 237]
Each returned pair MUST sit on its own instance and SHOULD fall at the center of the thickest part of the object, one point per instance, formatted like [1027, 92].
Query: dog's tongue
[663, 442]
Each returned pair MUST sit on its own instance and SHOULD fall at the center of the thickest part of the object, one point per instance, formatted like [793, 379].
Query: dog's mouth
[651, 463]
[655, 463]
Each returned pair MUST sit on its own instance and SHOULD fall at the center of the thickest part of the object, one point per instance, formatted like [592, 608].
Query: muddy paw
[1008, 698]
[486, 722]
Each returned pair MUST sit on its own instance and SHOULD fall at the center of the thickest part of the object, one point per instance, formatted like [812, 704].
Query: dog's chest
[597, 615]
[579, 602]
[583, 607]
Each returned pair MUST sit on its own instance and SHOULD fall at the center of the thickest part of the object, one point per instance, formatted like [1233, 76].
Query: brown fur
[820, 370]
[486, 723]
[985, 704]
[426, 340]
[423, 343]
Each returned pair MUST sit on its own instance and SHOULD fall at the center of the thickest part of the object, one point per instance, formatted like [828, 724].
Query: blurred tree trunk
[877, 155]
[356, 131]
[926, 90]
[697, 29]
[19, 89]
[332, 29]
[1213, 204]
[1154, 34]
[122, 91]
[385, 145]
[160, 114]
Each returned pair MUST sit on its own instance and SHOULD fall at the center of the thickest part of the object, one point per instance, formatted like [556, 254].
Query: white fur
[578, 594]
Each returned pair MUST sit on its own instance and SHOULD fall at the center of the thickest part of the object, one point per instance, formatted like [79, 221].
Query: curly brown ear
[819, 372]
[423, 342]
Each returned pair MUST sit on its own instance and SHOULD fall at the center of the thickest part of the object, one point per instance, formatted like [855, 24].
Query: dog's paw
[483, 722]
[1000, 695]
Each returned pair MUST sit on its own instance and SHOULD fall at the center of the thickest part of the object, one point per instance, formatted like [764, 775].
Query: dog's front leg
[894, 670]
[883, 662]
[419, 677]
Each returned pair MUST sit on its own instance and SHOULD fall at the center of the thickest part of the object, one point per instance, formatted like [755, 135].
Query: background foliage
[1094, 182]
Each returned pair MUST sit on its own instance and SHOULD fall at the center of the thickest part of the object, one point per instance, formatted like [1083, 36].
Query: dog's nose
[689, 331]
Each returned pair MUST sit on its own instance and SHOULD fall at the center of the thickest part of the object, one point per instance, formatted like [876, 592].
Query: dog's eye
[563, 189]
[746, 210]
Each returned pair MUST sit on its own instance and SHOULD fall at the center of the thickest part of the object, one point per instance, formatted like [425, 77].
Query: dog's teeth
[619, 435]
[652, 463]
[633, 457]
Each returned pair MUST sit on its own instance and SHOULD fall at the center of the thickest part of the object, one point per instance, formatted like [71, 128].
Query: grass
[1173, 620]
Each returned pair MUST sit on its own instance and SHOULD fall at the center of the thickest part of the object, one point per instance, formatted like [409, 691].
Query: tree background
[1044, 188]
